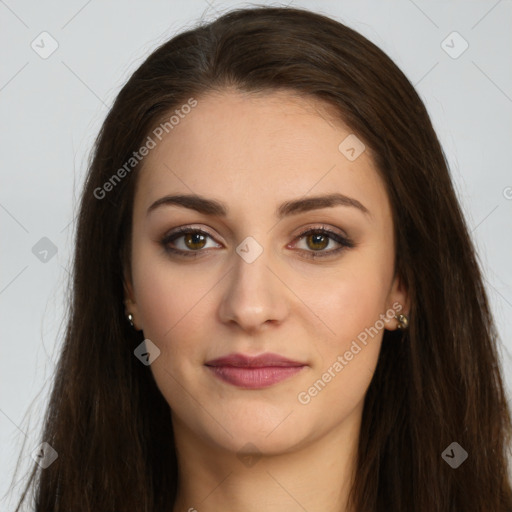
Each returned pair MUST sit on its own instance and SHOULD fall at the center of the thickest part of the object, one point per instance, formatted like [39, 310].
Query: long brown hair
[436, 383]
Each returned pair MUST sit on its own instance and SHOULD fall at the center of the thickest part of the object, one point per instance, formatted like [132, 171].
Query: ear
[129, 300]
[398, 300]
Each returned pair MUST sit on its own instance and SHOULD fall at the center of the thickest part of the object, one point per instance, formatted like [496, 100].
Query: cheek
[350, 298]
[161, 294]
[346, 360]
[159, 305]
[350, 304]
[174, 304]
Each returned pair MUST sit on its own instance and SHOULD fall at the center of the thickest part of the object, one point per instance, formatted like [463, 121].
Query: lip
[254, 372]
[247, 361]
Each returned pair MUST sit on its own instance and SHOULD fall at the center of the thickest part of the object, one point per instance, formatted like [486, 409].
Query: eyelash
[345, 242]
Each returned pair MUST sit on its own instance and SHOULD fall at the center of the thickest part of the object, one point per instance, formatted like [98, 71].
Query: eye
[187, 241]
[190, 242]
[316, 240]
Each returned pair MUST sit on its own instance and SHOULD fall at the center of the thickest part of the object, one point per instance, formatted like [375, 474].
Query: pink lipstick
[254, 372]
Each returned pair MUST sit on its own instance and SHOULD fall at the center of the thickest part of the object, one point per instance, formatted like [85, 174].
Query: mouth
[254, 372]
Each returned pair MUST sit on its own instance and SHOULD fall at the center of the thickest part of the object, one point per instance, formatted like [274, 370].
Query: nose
[254, 296]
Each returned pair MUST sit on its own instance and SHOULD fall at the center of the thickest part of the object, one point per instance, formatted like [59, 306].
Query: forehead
[257, 150]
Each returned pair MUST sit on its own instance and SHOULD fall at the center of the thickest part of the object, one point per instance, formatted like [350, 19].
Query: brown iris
[194, 240]
[318, 241]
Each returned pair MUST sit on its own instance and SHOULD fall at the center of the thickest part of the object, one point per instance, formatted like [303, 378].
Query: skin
[254, 152]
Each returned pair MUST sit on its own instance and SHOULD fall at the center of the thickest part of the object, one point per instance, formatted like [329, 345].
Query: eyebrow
[219, 209]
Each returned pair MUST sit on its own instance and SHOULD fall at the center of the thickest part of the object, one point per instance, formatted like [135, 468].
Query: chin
[265, 437]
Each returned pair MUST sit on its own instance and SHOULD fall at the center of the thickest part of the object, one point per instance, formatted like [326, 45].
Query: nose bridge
[253, 295]
[251, 267]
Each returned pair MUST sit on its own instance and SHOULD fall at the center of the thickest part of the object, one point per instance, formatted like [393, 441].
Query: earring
[403, 321]
[129, 316]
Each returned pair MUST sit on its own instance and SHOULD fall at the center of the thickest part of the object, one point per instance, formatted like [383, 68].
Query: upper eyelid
[319, 227]
[183, 230]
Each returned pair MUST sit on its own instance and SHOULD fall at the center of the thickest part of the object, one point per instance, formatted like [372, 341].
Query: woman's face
[249, 281]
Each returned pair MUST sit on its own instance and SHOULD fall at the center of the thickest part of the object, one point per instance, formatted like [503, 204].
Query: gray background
[51, 110]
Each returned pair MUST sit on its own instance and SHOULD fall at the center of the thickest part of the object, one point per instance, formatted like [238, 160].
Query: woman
[276, 303]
